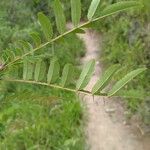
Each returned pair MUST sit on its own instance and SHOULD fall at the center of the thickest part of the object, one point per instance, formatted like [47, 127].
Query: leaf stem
[49, 85]
[102, 95]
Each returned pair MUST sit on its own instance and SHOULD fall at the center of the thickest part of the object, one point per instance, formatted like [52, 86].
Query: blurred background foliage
[126, 40]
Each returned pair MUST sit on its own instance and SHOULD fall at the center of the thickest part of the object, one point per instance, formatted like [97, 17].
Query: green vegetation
[46, 113]
[38, 120]
[30, 56]
[126, 41]
[36, 117]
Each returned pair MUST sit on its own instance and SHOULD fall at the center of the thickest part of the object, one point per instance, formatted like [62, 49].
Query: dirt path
[106, 129]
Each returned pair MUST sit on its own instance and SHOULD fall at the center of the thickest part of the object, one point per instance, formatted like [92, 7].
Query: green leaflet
[119, 7]
[92, 9]
[36, 38]
[40, 70]
[60, 17]
[76, 12]
[26, 46]
[46, 25]
[37, 70]
[25, 69]
[53, 72]
[86, 75]
[67, 75]
[121, 83]
[104, 80]
[28, 69]
[42, 75]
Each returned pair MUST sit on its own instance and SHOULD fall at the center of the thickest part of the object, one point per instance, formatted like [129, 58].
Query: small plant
[34, 68]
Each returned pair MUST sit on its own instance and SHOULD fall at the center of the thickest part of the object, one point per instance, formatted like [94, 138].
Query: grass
[37, 120]
[36, 117]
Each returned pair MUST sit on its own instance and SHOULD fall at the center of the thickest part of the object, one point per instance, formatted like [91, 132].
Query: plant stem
[49, 85]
